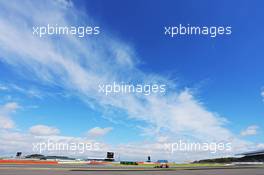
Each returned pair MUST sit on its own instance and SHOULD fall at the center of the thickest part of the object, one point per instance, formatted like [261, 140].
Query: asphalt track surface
[68, 170]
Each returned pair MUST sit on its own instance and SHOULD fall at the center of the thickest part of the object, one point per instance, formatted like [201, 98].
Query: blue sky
[226, 70]
[215, 84]
[222, 68]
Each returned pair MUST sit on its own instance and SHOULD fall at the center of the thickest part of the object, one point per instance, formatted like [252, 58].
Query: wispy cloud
[250, 130]
[3, 88]
[97, 131]
[5, 111]
[43, 130]
[262, 94]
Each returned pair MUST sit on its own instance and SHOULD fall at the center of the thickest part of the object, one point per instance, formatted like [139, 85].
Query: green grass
[197, 165]
[178, 165]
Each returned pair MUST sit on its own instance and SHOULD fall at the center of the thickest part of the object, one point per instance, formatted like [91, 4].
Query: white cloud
[3, 88]
[43, 130]
[6, 122]
[30, 92]
[162, 139]
[97, 131]
[5, 111]
[10, 107]
[13, 141]
[251, 130]
[80, 65]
